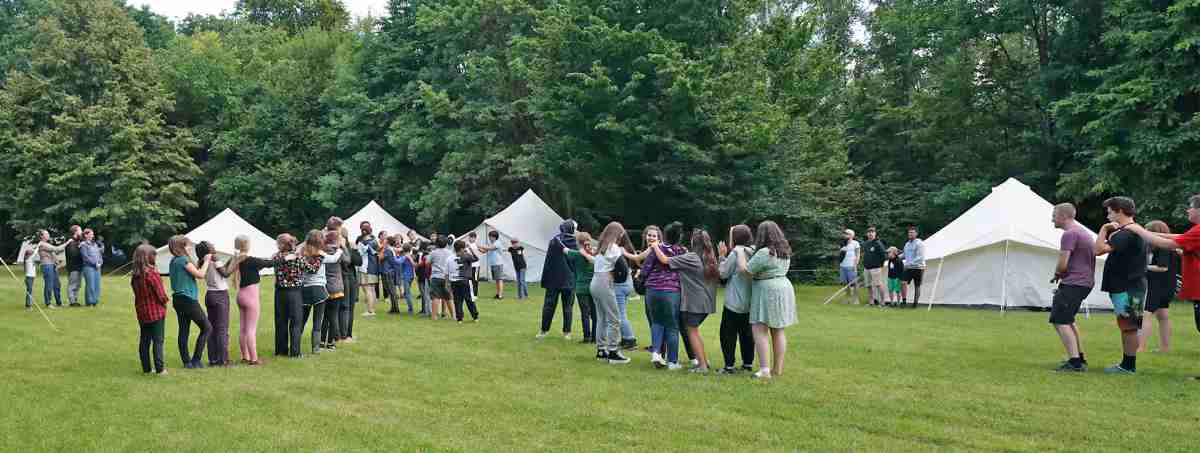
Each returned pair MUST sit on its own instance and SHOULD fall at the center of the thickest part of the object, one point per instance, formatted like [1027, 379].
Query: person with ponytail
[246, 272]
[335, 286]
[150, 304]
[698, 279]
[313, 292]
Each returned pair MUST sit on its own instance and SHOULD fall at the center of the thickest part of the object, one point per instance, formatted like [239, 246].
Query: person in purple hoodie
[662, 301]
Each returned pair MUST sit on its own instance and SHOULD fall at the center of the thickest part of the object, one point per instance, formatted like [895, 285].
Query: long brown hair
[178, 245]
[702, 245]
[646, 234]
[1158, 226]
[611, 234]
[314, 244]
[143, 260]
[771, 237]
[740, 235]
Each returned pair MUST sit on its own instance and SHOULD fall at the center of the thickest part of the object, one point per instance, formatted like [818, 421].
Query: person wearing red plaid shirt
[150, 303]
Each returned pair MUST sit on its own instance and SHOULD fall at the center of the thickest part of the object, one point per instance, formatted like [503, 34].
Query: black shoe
[197, 365]
[1066, 367]
[629, 344]
[72, 305]
[749, 368]
[615, 357]
[601, 355]
[727, 370]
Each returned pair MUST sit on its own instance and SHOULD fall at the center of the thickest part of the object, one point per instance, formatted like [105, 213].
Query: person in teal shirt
[583, 278]
[185, 298]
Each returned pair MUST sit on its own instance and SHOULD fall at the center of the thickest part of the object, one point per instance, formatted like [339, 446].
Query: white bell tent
[221, 230]
[529, 220]
[1001, 252]
[380, 220]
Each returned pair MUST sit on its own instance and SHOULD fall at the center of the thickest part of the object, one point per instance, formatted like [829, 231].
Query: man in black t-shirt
[874, 253]
[518, 260]
[74, 265]
[1124, 276]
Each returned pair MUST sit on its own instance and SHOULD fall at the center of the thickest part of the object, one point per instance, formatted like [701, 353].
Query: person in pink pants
[247, 277]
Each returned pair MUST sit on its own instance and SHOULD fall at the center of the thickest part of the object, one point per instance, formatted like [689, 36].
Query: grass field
[858, 379]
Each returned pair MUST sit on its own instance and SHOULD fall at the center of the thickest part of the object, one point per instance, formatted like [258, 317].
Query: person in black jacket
[874, 253]
[74, 265]
[558, 278]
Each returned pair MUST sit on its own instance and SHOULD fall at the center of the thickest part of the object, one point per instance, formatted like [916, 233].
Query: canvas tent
[533, 223]
[1001, 252]
[221, 230]
[380, 220]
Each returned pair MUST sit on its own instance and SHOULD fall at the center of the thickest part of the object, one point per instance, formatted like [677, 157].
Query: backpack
[620, 271]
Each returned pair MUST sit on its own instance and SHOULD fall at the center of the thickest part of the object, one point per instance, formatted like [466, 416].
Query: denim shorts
[848, 274]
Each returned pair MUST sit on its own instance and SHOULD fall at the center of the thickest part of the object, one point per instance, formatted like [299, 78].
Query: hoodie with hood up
[557, 272]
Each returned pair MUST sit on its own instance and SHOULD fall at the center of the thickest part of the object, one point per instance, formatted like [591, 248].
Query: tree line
[818, 114]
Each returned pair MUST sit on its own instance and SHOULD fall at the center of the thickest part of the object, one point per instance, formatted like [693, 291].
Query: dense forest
[818, 114]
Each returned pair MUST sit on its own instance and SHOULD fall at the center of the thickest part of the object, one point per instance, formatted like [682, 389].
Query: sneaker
[748, 368]
[460, 323]
[51, 307]
[657, 360]
[695, 363]
[615, 357]
[161, 373]
[566, 336]
[331, 347]
[764, 374]
[540, 335]
[629, 345]
[475, 320]
[699, 370]
[1117, 369]
[601, 354]
[348, 340]
[673, 366]
[727, 370]
[73, 305]
[1066, 367]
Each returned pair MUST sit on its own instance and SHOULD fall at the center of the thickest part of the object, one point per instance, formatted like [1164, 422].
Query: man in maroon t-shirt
[1076, 274]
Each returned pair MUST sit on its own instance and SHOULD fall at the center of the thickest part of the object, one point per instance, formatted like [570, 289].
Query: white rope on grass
[29, 295]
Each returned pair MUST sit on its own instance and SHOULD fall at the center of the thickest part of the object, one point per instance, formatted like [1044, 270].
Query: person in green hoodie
[583, 278]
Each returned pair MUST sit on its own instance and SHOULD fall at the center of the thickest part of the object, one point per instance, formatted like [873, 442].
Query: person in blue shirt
[495, 265]
[914, 265]
[93, 257]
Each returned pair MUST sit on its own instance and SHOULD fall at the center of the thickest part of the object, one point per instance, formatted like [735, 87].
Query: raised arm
[199, 273]
[1157, 240]
[662, 257]
[1102, 246]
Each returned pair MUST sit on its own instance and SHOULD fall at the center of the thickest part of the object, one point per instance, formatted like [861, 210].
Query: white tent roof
[380, 220]
[529, 220]
[221, 230]
[1012, 212]
[1002, 251]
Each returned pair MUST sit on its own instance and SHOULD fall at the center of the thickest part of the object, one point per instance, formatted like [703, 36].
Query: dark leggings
[289, 324]
[550, 305]
[346, 310]
[462, 294]
[151, 335]
[1196, 313]
[587, 315]
[188, 311]
[315, 298]
[331, 330]
[735, 328]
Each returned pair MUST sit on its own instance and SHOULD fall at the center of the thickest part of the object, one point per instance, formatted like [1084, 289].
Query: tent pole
[1004, 281]
[936, 281]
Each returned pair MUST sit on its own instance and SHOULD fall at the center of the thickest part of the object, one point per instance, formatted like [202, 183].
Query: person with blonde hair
[246, 271]
[150, 305]
[1161, 277]
[186, 299]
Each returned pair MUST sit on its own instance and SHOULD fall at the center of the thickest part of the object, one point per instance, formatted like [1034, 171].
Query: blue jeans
[52, 285]
[91, 276]
[407, 282]
[522, 285]
[29, 291]
[664, 331]
[623, 290]
[425, 302]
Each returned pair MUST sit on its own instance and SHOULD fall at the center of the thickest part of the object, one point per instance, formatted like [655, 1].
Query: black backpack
[620, 271]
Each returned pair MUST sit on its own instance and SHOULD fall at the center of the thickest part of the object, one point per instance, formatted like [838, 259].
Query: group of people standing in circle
[679, 281]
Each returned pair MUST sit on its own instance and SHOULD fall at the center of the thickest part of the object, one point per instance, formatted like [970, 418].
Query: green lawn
[858, 379]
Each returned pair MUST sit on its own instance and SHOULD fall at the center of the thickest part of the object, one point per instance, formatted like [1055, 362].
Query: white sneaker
[541, 335]
[763, 374]
[673, 366]
[656, 359]
[695, 363]
[566, 336]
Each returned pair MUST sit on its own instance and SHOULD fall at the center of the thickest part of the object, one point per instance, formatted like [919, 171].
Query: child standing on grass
[30, 277]
[895, 265]
[518, 258]
[460, 280]
[583, 278]
[216, 302]
[186, 299]
[150, 304]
